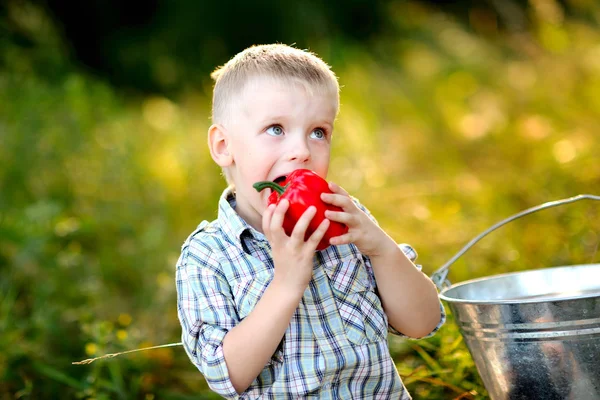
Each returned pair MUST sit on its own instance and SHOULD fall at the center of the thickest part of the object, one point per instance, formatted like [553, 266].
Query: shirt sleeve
[206, 312]
[411, 253]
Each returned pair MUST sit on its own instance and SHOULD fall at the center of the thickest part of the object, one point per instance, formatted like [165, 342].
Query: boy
[263, 314]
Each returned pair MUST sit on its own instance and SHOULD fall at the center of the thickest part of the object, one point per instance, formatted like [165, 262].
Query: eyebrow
[274, 118]
[283, 117]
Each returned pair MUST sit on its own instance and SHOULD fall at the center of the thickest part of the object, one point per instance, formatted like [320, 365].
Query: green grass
[450, 133]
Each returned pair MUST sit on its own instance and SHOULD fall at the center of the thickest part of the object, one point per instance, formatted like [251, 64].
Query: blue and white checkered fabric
[335, 346]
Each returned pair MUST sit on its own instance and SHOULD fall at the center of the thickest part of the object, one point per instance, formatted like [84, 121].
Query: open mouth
[280, 179]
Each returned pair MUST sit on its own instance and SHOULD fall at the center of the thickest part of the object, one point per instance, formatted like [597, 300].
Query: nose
[299, 150]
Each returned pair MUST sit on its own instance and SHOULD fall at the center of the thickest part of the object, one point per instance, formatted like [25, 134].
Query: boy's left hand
[362, 231]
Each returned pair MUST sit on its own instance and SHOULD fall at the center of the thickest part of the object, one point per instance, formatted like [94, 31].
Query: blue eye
[318, 133]
[275, 130]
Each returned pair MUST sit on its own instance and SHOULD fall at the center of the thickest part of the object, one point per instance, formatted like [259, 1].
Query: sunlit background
[454, 116]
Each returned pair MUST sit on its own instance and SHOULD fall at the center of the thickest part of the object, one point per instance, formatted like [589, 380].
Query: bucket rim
[442, 294]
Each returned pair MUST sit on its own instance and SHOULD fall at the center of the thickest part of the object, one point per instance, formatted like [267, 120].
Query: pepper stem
[259, 186]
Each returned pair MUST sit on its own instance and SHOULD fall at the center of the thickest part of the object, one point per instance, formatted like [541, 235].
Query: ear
[218, 143]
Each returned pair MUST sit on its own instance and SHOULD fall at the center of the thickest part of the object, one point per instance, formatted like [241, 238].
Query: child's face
[275, 128]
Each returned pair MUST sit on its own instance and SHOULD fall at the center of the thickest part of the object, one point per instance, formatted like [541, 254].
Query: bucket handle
[439, 277]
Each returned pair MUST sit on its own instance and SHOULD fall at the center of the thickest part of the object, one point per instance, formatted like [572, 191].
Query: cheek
[253, 153]
[321, 155]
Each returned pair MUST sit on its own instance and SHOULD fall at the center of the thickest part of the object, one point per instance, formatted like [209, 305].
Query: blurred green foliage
[445, 128]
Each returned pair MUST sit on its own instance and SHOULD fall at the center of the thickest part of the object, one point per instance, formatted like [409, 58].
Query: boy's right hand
[292, 256]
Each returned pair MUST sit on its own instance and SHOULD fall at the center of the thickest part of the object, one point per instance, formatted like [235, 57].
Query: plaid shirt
[335, 346]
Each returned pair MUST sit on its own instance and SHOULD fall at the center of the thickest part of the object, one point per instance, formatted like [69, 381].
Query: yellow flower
[91, 349]
[121, 334]
[124, 319]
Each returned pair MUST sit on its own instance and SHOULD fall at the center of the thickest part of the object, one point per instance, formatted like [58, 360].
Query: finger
[319, 233]
[342, 239]
[340, 216]
[300, 228]
[340, 200]
[279, 214]
[267, 216]
[335, 188]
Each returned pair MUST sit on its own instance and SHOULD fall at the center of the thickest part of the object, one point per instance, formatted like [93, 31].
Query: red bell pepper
[303, 188]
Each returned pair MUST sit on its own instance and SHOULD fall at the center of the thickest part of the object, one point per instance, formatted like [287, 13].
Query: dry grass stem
[111, 355]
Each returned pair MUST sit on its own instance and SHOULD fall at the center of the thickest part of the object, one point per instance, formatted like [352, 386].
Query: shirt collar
[232, 224]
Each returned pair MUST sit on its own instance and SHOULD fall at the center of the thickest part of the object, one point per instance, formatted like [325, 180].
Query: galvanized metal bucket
[532, 334]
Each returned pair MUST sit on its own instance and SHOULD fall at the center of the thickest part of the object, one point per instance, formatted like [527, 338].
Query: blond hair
[276, 61]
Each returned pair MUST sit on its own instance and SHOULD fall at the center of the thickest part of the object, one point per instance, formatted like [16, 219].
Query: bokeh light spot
[564, 151]
[159, 113]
